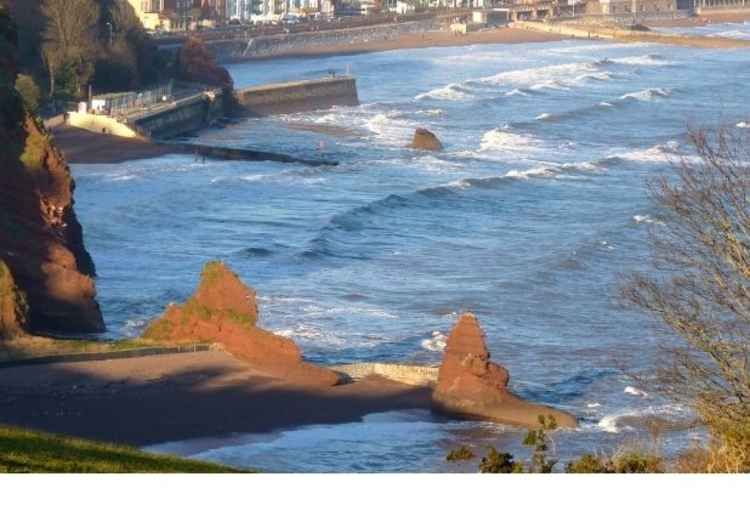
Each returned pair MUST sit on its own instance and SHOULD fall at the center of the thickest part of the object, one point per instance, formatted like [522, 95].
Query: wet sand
[157, 399]
[82, 146]
[420, 40]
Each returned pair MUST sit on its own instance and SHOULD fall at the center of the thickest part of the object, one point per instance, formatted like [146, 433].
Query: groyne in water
[233, 153]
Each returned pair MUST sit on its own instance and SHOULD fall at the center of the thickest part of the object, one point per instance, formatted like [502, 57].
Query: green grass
[30, 451]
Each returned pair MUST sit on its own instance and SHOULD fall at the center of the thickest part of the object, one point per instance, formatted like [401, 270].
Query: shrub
[499, 462]
[30, 92]
[461, 454]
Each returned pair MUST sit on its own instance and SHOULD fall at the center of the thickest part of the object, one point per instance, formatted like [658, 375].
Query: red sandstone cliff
[223, 310]
[470, 385]
[41, 240]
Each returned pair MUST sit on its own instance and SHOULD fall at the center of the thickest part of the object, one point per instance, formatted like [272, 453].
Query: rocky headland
[223, 310]
[471, 386]
[42, 240]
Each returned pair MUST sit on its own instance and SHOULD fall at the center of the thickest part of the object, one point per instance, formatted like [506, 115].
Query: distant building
[150, 13]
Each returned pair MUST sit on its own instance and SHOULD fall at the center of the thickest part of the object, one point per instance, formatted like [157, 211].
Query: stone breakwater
[295, 43]
[298, 96]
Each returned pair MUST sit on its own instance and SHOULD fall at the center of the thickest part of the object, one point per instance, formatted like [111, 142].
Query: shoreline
[152, 400]
[426, 40]
[81, 146]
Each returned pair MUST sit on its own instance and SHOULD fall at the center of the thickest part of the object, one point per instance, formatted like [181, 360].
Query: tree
[70, 40]
[701, 288]
[29, 91]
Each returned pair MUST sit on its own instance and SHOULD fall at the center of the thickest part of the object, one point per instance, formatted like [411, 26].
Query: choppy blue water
[529, 218]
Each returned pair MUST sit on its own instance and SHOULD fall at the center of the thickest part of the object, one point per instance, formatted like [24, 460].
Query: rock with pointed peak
[471, 386]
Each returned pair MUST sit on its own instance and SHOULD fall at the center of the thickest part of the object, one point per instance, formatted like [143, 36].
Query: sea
[532, 218]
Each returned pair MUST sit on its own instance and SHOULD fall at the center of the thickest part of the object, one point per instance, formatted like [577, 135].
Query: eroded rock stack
[426, 140]
[42, 240]
[471, 386]
[13, 308]
[223, 310]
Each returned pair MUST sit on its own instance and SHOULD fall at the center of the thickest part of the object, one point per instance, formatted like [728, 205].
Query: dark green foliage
[461, 454]
[29, 91]
[499, 462]
[631, 461]
[540, 441]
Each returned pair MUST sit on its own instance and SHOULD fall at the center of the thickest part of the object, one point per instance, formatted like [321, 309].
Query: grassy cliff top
[30, 451]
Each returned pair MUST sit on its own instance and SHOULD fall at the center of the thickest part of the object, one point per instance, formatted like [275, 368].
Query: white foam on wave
[616, 422]
[647, 60]
[452, 92]
[646, 219]
[647, 95]
[605, 104]
[504, 141]
[660, 153]
[390, 128]
[631, 390]
[543, 116]
[435, 344]
[743, 124]
[516, 92]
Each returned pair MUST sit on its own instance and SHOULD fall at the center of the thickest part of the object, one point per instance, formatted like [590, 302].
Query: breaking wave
[647, 95]
[451, 92]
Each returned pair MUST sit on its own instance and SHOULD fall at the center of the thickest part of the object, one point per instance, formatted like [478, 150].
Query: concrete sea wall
[181, 117]
[288, 44]
[297, 96]
[592, 31]
[407, 374]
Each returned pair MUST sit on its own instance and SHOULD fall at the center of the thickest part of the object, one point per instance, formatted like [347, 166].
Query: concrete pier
[298, 96]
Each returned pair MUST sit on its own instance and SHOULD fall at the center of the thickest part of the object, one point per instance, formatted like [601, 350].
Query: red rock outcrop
[471, 386]
[426, 140]
[41, 240]
[223, 310]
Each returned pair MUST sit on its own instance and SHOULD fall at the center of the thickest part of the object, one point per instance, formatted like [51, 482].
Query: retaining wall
[287, 44]
[101, 124]
[181, 117]
[407, 374]
[297, 96]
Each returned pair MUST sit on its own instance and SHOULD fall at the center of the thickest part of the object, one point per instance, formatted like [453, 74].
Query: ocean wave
[437, 343]
[647, 60]
[647, 95]
[452, 92]
[633, 419]
[502, 140]
[660, 153]
[646, 219]
[391, 127]
[517, 92]
[743, 124]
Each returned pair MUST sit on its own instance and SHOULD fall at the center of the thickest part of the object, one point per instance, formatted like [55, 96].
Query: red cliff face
[13, 308]
[41, 240]
[470, 385]
[223, 310]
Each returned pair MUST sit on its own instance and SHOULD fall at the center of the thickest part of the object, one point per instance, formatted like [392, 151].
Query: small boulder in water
[471, 386]
[426, 140]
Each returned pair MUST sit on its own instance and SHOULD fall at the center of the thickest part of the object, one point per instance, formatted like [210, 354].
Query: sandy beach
[157, 399]
[82, 146]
